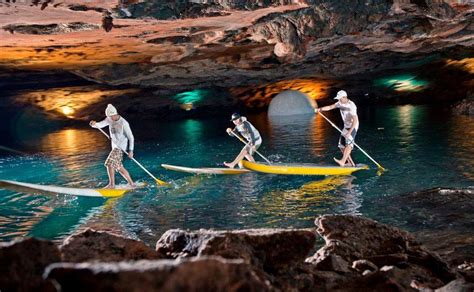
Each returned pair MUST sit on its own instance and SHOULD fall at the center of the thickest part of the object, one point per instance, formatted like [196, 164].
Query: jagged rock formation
[328, 38]
[92, 245]
[359, 255]
[49, 28]
[252, 49]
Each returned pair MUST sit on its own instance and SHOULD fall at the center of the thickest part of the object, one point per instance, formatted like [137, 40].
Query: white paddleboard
[205, 170]
[16, 186]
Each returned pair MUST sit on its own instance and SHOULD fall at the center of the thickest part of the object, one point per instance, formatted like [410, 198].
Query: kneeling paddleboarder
[120, 135]
[250, 133]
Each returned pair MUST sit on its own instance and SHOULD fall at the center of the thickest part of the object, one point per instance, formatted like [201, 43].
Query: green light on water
[405, 82]
[192, 97]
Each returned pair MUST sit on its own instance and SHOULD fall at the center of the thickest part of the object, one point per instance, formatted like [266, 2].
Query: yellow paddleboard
[301, 169]
[40, 189]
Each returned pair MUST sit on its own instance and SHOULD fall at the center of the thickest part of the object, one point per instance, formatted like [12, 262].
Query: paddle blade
[381, 170]
[161, 183]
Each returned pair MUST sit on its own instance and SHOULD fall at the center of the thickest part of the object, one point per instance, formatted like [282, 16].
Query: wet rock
[22, 264]
[399, 257]
[92, 245]
[356, 237]
[203, 274]
[270, 249]
[465, 107]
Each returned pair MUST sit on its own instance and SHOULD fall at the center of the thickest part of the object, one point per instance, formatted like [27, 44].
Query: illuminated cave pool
[422, 147]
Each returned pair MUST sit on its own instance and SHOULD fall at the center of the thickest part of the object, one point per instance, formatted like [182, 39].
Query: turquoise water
[422, 147]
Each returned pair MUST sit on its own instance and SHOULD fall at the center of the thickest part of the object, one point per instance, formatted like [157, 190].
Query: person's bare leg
[351, 162]
[347, 152]
[127, 176]
[111, 174]
[239, 157]
[250, 157]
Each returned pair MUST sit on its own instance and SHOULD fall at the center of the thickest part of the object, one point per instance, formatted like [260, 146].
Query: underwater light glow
[67, 111]
[187, 106]
[402, 83]
[189, 98]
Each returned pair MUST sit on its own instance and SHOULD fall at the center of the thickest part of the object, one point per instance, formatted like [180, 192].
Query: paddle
[362, 150]
[243, 141]
[160, 182]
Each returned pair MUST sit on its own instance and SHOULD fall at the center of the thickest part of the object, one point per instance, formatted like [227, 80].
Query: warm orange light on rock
[262, 95]
[467, 64]
[73, 102]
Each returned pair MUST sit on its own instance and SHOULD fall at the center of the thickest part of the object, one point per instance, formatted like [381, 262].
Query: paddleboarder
[121, 135]
[349, 116]
[250, 133]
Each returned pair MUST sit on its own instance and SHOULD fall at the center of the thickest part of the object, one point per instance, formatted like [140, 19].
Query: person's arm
[326, 108]
[99, 125]
[131, 139]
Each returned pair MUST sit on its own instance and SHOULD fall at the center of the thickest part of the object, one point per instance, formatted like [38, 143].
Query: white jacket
[120, 133]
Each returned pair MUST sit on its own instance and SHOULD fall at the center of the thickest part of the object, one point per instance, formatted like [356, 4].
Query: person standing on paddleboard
[121, 135]
[250, 133]
[351, 125]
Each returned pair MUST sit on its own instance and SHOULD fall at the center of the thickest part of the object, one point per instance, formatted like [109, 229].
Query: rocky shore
[358, 254]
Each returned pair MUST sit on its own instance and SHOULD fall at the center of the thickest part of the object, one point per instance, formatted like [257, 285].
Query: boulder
[22, 264]
[270, 249]
[197, 274]
[399, 258]
[92, 245]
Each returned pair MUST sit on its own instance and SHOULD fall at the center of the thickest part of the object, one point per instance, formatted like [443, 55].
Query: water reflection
[73, 149]
[462, 126]
[292, 132]
[311, 199]
[104, 218]
[319, 135]
[406, 117]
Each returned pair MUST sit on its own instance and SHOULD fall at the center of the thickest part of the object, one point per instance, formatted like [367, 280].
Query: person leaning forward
[250, 133]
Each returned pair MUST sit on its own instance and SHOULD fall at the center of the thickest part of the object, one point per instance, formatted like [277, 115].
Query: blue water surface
[421, 146]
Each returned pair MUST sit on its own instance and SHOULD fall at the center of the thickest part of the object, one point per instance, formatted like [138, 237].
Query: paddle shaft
[243, 141]
[362, 150]
[134, 160]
